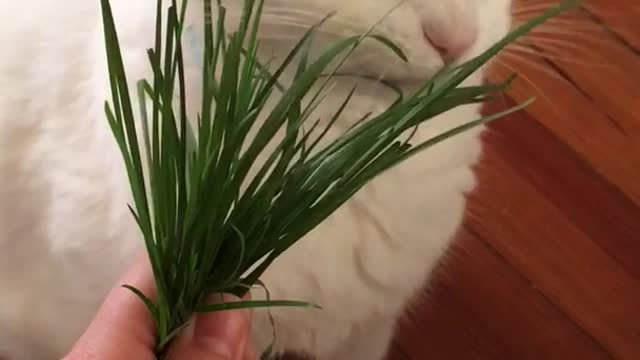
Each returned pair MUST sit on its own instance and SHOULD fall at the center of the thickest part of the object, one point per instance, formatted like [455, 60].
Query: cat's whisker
[477, 215]
[549, 45]
[561, 42]
[537, 90]
[533, 64]
[585, 32]
[570, 29]
[330, 27]
[304, 18]
[311, 17]
[309, 20]
[519, 8]
[292, 23]
[564, 22]
[282, 20]
[566, 49]
[553, 55]
[539, 67]
[574, 32]
[289, 10]
[308, 17]
[270, 9]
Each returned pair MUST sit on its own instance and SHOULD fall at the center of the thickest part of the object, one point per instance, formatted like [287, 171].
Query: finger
[123, 327]
[221, 335]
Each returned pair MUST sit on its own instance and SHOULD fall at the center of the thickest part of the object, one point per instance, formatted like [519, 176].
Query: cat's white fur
[66, 234]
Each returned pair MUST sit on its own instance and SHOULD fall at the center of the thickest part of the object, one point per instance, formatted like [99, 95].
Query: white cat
[66, 234]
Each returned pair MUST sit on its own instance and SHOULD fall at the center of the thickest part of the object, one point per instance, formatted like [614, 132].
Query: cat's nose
[452, 43]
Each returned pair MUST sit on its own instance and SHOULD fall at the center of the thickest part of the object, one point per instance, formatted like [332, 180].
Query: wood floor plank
[622, 18]
[525, 227]
[584, 126]
[585, 58]
[601, 211]
[479, 308]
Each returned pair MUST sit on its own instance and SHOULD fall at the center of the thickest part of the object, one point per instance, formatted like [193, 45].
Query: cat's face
[430, 32]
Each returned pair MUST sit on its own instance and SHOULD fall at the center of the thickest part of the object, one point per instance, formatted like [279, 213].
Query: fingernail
[222, 333]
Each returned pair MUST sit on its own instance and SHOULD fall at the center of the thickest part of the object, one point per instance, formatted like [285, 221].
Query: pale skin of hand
[124, 329]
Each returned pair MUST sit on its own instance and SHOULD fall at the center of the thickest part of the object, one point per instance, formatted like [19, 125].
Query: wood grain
[548, 265]
[592, 288]
[481, 309]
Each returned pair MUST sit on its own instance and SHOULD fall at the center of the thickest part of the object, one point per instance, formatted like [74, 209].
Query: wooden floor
[547, 265]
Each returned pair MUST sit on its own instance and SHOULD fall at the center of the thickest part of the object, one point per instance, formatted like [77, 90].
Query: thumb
[221, 335]
[123, 327]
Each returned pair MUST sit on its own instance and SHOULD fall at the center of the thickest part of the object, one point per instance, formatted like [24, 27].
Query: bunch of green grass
[208, 226]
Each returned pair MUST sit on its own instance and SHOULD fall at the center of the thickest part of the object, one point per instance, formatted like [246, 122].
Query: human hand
[124, 329]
